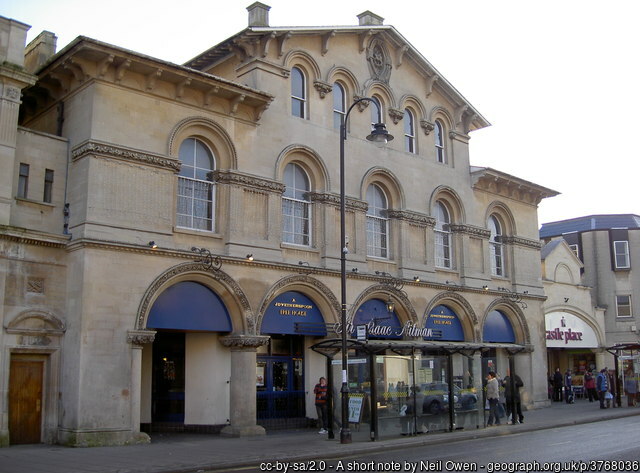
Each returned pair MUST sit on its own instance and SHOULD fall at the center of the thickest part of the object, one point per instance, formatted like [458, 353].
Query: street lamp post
[380, 136]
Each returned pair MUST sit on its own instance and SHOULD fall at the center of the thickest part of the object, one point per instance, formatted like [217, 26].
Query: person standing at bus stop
[321, 404]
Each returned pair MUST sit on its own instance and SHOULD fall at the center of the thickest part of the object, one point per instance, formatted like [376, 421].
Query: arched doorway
[187, 317]
[280, 372]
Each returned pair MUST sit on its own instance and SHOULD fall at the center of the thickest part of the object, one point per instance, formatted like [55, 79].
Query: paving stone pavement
[190, 453]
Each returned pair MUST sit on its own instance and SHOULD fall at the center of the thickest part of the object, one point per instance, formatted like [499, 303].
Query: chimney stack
[258, 14]
[368, 18]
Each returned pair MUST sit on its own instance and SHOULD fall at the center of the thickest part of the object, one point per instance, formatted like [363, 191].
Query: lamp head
[379, 135]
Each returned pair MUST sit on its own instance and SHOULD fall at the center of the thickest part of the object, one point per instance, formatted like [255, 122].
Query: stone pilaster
[243, 385]
[137, 339]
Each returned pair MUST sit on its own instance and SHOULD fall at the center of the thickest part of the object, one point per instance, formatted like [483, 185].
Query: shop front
[407, 380]
[572, 344]
[280, 369]
[187, 317]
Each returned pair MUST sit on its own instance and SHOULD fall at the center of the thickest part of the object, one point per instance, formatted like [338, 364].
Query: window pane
[623, 304]
[298, 95]
[48, 185]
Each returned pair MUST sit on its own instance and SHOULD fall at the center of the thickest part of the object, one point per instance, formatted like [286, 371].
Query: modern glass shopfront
[399, 387]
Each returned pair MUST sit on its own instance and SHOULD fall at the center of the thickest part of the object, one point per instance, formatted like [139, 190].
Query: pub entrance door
[26, 378]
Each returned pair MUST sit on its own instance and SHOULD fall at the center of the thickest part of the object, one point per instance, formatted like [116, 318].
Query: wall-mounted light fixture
[153, 245]
[391, 307]
[250, 257]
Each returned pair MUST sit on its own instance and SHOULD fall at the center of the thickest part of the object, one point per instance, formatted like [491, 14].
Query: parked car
[436, 398]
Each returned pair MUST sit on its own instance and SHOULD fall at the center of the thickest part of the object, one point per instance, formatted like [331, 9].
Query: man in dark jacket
[557, 385]
[512, 396]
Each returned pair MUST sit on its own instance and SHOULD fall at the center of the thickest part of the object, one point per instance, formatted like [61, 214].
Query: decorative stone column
[137, 339]
[243, 385]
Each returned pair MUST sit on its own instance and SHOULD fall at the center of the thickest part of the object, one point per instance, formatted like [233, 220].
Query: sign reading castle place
[565, 330]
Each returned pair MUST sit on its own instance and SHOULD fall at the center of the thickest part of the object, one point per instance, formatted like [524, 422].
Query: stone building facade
[608, 246]
[169, 234]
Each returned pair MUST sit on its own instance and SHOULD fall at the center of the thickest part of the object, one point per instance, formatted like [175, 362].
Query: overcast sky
[557, 79]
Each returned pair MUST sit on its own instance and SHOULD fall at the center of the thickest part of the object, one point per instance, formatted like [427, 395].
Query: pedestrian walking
[493, 394]
[320, 392]
[602, 386]
[557, 386]
[568, 387]
[590, 386]
[512, 396]
[630, 388]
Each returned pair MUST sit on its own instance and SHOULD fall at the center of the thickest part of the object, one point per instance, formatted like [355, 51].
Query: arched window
[439, 137]
[196, 191]
[296, 207]
[377, 223]
[444, 251]
[496, 249]
[298, 93]
[339, 106]
[376, 111]
[409, 132]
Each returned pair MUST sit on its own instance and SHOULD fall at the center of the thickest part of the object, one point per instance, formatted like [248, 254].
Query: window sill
[35, 203]
[293, 246]
[193, 231]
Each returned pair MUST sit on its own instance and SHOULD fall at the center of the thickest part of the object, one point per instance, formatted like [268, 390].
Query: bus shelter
[404, 387]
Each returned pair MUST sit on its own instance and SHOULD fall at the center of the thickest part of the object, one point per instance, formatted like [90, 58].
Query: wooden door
[25, 400]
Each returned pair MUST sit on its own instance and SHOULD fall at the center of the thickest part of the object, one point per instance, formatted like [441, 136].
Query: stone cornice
[86, 59]
[246, 180]
[244, 342]
[471, 230]
[521, 241]
[141, 337]
[30, 237]
[333, 199]
[413, 218]
[496, 182]
[105, 150]
[462, 137]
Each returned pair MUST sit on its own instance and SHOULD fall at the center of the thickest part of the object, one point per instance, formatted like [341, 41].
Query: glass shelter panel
[395, 403]
[467, 396]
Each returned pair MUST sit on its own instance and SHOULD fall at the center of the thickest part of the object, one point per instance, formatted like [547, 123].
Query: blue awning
[445, 320]
[189, 305]
[497, 328]
[293, 313]
[381, 323]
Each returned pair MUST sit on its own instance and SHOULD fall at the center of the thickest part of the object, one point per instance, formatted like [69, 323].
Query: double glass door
[280, 387]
